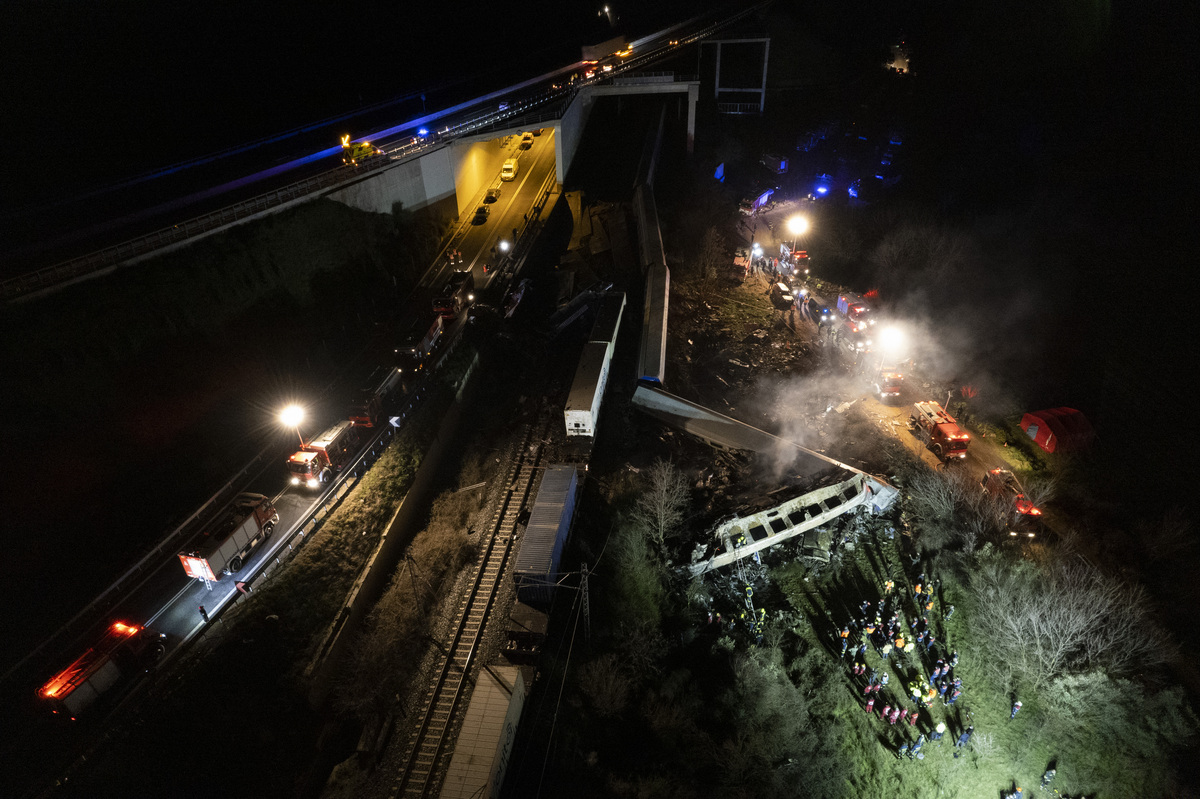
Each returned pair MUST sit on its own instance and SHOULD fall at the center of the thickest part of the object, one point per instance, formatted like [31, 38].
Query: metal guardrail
[175, 538]
[47, 277]
[739, 108]
[58, 274]
[151, 242]
[172, 540]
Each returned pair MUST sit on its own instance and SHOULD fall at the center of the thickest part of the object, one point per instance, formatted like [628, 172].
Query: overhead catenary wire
[575, 607]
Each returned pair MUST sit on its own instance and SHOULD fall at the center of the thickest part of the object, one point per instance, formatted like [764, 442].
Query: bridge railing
[65, 271]
[739, 108]
[151, 242]
[651, 77]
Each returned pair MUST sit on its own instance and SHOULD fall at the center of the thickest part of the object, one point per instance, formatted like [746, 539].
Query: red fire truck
[122, 651]
[319, 459]
[1018, 513]
[228, 543]
[938, 431]
[373, 396]
[855, 311]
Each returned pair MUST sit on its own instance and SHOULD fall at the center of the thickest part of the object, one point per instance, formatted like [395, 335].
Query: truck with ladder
[123, 651]
[227, 544]
[938, 431]
[320, 459]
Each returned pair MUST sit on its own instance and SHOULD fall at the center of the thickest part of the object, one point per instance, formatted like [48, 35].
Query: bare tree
[1169, 537]
[712, 255]
[1041, 490]
[1043, 623]
[606, 684]
[662, 504]
[951, 509]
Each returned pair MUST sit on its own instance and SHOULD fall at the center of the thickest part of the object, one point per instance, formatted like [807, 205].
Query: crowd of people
[893, 634]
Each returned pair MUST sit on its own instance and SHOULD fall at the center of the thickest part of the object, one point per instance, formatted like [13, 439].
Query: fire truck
[369, 403]
[938, 431]
[855, 311]
[227, 545]
[123, 650]
[889, 386]
[420, 337]
[1018, 514]
[319, 459]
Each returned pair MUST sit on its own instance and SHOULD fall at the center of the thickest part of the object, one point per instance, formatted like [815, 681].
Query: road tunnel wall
[476, 167]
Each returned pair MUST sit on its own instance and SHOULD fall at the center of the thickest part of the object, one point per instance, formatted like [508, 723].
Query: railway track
[427, 753]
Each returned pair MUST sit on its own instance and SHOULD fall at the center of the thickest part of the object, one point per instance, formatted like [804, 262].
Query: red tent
[1058, 429]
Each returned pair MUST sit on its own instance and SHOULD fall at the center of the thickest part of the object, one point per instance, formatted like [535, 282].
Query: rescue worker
[965, 737]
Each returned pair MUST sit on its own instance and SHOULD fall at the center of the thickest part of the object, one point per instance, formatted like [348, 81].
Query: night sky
[98, 92]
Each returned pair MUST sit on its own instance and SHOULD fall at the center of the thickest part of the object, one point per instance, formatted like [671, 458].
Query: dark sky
[93, 92]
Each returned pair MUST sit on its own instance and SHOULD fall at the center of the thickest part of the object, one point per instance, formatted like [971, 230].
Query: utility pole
[587, 609]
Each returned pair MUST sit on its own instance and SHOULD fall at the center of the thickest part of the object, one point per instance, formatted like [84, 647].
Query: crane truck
[248, 522]
[938, 431]
[123, 650]
[317, 460]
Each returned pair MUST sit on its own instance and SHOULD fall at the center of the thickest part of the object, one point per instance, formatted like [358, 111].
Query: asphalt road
[169, 601]
[474, 241]
[164, 597]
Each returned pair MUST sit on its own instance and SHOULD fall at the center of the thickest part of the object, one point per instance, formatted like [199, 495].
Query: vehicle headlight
[312, 483]
[295, 481]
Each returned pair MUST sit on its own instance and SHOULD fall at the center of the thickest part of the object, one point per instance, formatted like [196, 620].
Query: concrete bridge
[447, 171]
[457, 171]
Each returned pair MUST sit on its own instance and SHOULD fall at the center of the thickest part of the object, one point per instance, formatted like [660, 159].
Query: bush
[1043, 623]
[1117, 736]
[387, 652]
[638, 587]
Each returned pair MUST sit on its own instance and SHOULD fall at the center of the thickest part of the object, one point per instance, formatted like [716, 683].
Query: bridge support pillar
[692, 97]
